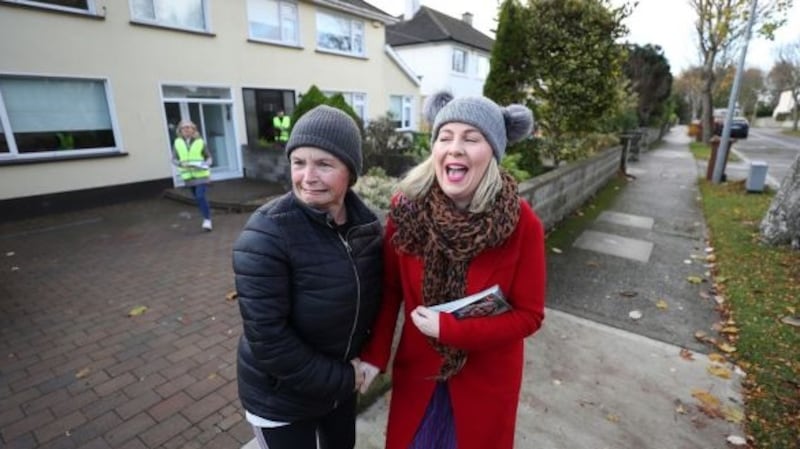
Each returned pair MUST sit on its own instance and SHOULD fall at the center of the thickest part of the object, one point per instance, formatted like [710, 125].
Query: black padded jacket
[308, 293]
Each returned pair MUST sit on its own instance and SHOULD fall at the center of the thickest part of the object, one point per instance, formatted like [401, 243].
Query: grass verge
[790, 132]
[702, 151]
[761, 286]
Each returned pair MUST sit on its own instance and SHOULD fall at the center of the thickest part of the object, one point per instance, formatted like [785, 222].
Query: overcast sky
[668, 23]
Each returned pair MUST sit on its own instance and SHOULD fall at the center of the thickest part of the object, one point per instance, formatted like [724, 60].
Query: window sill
[49, 9]
[62, 158]
[339, 53]
[254, 40]
[172, 28]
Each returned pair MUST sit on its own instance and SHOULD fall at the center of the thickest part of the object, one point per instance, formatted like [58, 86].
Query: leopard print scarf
[447, 239]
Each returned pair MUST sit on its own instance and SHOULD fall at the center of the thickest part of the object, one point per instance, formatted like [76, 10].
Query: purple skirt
[437, 430]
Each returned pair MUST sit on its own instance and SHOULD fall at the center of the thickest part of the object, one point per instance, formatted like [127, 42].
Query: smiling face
[320, 180]
[461, 156]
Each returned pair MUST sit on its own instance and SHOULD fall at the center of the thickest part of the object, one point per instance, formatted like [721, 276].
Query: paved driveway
[77, 371]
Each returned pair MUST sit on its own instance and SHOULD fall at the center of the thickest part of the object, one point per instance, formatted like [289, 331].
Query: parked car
[740, 127]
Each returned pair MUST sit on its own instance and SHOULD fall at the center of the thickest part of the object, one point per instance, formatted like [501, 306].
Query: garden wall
[559, 192]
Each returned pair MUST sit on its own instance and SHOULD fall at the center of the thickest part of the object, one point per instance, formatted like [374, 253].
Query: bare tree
[721, 25]
[689, 86]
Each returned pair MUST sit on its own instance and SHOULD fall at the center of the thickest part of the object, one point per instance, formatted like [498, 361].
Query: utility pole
[722, 151]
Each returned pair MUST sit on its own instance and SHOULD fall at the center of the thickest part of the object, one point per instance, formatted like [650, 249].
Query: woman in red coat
[456, 227]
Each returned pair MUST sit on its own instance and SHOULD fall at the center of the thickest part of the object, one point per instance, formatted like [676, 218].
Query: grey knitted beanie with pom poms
[499, 125]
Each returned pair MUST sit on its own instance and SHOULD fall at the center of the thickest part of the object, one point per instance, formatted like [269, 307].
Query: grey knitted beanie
[499, 125]
[332, 130]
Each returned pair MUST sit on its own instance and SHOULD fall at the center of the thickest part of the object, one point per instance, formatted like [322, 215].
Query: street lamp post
[722, 151]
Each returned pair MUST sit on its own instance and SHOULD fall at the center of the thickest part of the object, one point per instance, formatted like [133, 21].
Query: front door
[210, 108]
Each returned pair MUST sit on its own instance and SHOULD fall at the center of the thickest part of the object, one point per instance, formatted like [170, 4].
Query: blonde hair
[184, 124]
[418, 181]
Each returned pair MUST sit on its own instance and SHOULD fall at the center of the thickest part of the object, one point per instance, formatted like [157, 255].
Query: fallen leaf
[717, 357]
[719, 371]
[729, 330]
[687, 261]
[556, 250]
[680, 409]
[792, 310]
[593, 264]
[711, 258]
[686, 354]
[628, 293]
[791, 321]
[14, 268]
[721, 280]
[10, 253]
[705, 295]
[733, 414]
[231, 295]
[635, 314]
[138, 310]
[700, 335]
[612, 417]
[725, 347]
[736, 440]
[705, 397]
[83, 373]
[661, 304]
[694, 279]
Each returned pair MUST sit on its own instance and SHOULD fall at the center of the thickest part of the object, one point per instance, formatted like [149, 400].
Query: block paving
[76, 371]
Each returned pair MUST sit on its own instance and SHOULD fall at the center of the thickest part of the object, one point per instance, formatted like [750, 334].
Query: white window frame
[288, 13]
[356, 100]
[13, 149]
[459, 65]
[156, 21]
[356, 32]
[484, 67]
[90, 6]
[406, 116]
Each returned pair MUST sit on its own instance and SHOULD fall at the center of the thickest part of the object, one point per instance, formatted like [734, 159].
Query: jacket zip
[349, 251]
[358, 294]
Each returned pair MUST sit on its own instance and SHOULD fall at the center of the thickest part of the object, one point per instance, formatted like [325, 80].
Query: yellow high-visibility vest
[192, 154]
[282, 124]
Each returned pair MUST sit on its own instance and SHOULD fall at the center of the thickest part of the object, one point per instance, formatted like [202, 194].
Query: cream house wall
[136, 60]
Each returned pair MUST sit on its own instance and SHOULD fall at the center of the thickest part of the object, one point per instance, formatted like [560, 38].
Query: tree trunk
[781, 224]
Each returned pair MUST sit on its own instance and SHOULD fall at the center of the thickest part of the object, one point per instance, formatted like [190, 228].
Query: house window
[356, 100]
[67, 5]
[340, 34]
[273, 20]
[459, 60]
[3, 140]
[483, 67]
[54, 115]
[400, 109]
[186, 14]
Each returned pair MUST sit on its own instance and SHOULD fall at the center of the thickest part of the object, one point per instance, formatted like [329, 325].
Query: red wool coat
[485, 393]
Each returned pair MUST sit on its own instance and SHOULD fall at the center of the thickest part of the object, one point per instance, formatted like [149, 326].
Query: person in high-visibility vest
[193, 160]
[281, 123]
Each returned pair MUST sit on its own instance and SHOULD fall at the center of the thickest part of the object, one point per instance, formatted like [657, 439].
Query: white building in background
[447, 53]
[784, 106]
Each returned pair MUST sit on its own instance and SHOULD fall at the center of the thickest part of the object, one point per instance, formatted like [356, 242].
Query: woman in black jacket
[308, 270]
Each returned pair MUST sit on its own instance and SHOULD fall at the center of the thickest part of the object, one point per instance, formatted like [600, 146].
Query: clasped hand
[365, 373]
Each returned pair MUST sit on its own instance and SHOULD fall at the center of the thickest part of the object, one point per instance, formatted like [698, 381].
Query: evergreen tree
[509, 61]
[649, 73]
[309, 100]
